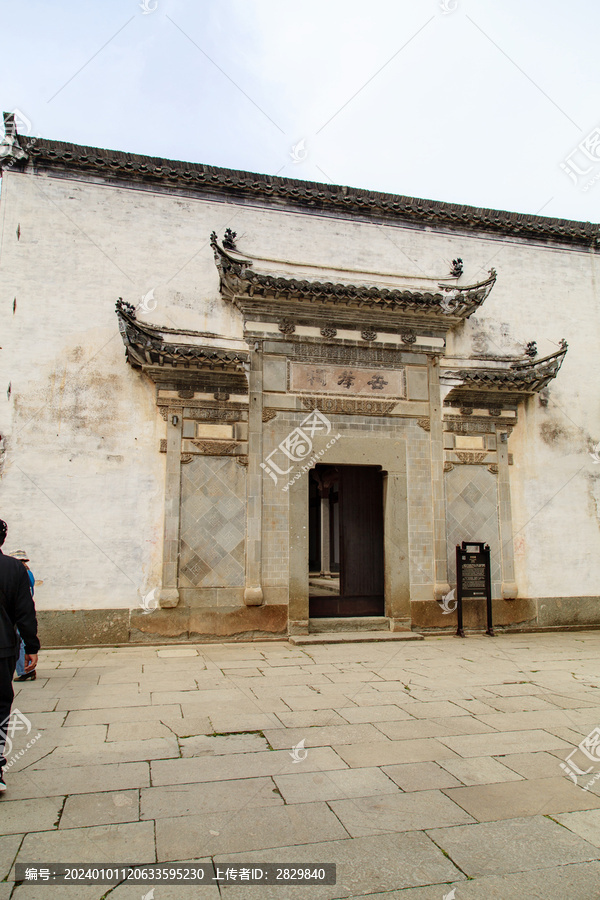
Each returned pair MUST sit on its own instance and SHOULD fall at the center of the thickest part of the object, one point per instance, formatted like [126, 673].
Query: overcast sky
[470, 101]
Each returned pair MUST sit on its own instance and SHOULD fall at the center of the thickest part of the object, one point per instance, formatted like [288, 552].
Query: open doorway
[346, 541]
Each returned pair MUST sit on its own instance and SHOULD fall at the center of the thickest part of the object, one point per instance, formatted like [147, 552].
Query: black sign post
[473, 579]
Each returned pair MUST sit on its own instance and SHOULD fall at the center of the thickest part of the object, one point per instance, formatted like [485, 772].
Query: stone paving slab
[209, 797]
[242, 765]
[245, 830]
[281, 738]
[480, 770]
[130, 714]
[585, 824]
[357, 715]
[544, 796]
[385, 862]
[519, 845]
[169, 891]
[386, 753]
[423, 776]
[9, 846]
[334, 785]
[225, 721]
[447, 727]
[20, 816]
[220, 745]
[312, 717]
[111, 752]
[532, 765]
[398, 812]
[573, 882]
[107, 808]
[77, 780]
[497, 744]
[132, 843]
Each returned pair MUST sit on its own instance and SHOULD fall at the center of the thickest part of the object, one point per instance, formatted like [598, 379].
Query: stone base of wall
[541, 614]
[93, 627]
[80, 627]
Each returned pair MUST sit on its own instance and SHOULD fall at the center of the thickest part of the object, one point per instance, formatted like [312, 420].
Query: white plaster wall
[83, 484]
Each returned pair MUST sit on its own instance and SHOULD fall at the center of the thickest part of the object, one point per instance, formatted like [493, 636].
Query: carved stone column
[253, 593]
[169, 592]
[509, 585]
[440, 547]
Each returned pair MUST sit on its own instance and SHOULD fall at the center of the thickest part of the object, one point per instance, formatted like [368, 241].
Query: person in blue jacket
[22, 675]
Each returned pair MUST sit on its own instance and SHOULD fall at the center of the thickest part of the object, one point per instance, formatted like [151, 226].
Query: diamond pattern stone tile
[472, 515]
[213, 522]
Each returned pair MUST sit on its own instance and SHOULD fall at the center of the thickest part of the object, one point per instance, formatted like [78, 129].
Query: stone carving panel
[215, 448]
[350, 380]
[349, 407]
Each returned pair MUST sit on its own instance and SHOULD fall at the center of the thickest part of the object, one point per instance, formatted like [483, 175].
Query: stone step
[353, 637]
[349, 623]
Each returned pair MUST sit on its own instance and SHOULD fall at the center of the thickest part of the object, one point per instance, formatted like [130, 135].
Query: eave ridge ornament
[10, 147]
[461, 302]
[145, 345]
[239, 280]
[521, 375]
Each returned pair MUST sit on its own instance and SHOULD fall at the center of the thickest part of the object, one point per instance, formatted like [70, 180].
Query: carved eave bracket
[504, 385]
[441, 306]
[10, 146]
[148, 348]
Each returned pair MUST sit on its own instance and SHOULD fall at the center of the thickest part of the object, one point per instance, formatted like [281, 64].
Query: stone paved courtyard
[431, 766]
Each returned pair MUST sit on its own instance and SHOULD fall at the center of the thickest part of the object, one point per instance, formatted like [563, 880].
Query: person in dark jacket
[16, 611]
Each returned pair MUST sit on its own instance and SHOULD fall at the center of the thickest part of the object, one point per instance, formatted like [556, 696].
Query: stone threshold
[348, 623]
[353, 637]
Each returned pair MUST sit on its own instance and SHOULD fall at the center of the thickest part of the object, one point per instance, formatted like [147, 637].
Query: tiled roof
[45, 154]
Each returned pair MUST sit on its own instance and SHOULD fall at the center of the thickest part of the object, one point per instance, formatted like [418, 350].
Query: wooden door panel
[361, 539]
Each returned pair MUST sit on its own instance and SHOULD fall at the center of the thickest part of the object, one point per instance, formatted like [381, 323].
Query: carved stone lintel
[268, 414]
[466, 410]
[186, 395]
[471, 457]
[495, 411]
[448, 466]
[215, 448]
[242, 460]
[425, 424]
[186, 458]
[341, 406]
[221, 395]
[367, 334]
[287, 327]
[328, 331]
[408, 337]
[163, 445]
[493, 468]
[214, 415]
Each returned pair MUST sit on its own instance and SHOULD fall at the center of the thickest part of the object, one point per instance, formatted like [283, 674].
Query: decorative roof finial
[10, 147]
[457, 268]
[229, 239]
[531, 349]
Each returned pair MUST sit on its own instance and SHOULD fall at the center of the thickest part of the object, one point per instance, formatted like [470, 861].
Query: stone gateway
[243, 406]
